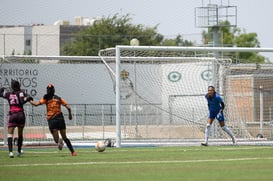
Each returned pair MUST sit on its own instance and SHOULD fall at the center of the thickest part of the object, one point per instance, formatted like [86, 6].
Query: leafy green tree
[109, 32]
[249, 40]
[178, 41]
[233, 36]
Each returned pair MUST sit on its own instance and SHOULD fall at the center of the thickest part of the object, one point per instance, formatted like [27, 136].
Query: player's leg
[60, 122]
[227, 130]
[21, 119]
[57, 139]
[67, 142]
[53, 127]
[55, 135]
[211, 117]
[20, 140]
[10, 140]
[207, 131]
[60, 144]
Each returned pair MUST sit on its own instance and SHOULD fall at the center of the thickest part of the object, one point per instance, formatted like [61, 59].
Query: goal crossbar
[175, 48]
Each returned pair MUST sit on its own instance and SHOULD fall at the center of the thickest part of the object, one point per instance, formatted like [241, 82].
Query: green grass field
[149, 163]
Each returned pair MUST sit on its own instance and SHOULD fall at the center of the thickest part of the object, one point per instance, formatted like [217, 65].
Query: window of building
[28, 42]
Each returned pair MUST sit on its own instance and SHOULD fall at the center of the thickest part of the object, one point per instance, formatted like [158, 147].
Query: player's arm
[37, 103]
[222, 106]
[2, 90]
[207, 98]
[69, 111]
[64, 103]
[25, 98]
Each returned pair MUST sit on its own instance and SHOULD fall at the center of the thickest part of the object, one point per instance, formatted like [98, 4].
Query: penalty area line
[137, 162]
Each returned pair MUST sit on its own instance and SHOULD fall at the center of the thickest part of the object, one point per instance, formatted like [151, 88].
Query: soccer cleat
[204, 144]
[11, 155]
[60, 144]
[20, 153]
[234, 141]
[74, 154]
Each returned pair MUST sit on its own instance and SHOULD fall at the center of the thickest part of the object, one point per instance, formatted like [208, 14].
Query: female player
[216, 107]
[55, 117]
[16, 118]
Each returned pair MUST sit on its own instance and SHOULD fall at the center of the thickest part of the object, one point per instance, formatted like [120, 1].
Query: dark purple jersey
[16, 100]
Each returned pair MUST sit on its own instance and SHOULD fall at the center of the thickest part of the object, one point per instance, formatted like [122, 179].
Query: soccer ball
[134, 42]
[100, 146]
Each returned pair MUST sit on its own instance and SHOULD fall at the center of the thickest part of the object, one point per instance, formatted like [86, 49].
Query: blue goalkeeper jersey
[214, 102]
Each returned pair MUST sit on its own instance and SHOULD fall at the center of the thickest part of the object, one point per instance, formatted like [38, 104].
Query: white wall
[46, 40]
[12, 39]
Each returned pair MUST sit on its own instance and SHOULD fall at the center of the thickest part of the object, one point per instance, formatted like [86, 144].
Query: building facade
[44, 40]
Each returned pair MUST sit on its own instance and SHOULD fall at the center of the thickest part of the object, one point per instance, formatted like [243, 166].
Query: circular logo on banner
[174, 76]
[206, 75]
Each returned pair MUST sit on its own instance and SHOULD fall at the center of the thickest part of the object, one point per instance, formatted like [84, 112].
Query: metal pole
[4, 44]
[118, 128]
[270, 118]
[135, 42]
[102, 121]
[261, 110]
[202, 49]
[216, 40]
[5, 123]
[216, 56]
[136, 103]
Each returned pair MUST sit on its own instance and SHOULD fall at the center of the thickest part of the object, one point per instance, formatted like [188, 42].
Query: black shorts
[16, 119]
[57, 122]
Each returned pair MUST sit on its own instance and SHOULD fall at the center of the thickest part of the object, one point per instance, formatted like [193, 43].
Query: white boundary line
[138, 162]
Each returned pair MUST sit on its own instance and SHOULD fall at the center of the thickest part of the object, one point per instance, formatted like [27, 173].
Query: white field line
[199, 148]
[137, 162]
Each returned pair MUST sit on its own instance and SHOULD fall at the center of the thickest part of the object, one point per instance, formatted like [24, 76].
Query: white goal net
[161, 92]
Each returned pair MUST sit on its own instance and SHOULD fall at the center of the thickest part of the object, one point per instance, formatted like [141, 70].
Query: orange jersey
[53, 106]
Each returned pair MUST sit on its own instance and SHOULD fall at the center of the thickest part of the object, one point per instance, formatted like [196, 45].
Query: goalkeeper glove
[220, 116]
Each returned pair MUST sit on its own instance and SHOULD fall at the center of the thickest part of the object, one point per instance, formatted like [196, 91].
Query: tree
[233, 36]
[109, 32]
[178, 41]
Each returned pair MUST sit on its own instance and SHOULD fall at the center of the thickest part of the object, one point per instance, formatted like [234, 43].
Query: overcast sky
[173, 16]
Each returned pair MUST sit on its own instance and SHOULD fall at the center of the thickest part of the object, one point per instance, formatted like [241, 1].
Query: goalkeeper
[216, 107]
[16, 118]
[55, 117]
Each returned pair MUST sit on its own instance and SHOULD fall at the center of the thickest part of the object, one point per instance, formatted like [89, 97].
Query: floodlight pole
[216, 40]
[216, 56]
[212, 16]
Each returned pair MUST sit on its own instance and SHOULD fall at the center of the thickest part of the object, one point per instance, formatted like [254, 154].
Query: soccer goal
[143, 94]
[160, 92]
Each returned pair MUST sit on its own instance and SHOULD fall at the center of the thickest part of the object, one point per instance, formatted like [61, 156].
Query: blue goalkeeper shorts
[213, 114]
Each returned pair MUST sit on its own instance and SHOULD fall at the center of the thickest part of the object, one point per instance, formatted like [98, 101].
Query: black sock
[56, 140]
[69, 145]
[20, 143]
[10, 144]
